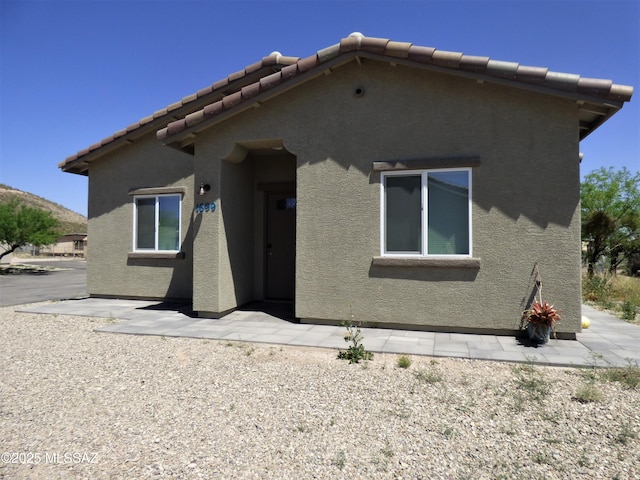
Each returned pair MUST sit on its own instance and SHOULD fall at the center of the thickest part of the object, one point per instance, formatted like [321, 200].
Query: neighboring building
[68, 245]
[374, 181]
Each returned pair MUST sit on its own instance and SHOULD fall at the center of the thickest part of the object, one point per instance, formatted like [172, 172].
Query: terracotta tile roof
[268, 65]
[258, 81]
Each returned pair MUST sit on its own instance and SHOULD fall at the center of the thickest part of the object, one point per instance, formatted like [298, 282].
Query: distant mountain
[70, 222]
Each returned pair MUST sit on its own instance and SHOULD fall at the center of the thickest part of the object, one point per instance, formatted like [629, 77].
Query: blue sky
[74, 72]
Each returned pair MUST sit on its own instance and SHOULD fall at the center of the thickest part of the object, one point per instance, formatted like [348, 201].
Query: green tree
[610, 208]
[23, 225]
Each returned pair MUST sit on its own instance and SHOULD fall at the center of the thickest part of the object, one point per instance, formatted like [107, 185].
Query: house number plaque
[205, 207]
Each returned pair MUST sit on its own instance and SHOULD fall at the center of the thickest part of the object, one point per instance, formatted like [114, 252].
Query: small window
[426, 213]
[157, 223]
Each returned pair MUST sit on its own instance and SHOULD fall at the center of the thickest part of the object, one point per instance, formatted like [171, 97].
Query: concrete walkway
[609, 341]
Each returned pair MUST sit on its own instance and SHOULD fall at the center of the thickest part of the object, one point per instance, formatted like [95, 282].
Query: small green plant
[596, 288]
[629, 310]
[430, 375]
[356, 350]
[403, 411]
[340, 460]
[449, 432]
[403, 361]
[387, 451]
[248, 350]
[625, 436]
[542, 458]
[588, 393]
[629, 375]
[530, 380]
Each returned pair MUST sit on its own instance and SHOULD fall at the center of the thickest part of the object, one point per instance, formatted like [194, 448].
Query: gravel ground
[79, 404]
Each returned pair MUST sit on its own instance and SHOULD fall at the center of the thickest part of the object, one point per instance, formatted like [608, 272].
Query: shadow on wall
[425, 274]
[544, 199]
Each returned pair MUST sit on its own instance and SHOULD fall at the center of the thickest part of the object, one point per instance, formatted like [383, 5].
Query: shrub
[629, 375]
[629, 310]
[403, 361]
[596, 288]
[588, 393]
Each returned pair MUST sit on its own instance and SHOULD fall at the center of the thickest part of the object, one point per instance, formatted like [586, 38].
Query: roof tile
[204, 91]
[307, 63]
[498, 68]
[594, 86]
[232, 100]
[562, 81]
[531, 74]
[251, 90]
[160, 113]
[270, 81]
[374, 45]
[177, 126]
[189, 98]
[194, 118]
[254, 67]
[621, 92]
[271, 59]
[421, 54]
[174, 106]
[220, 84]
[283, 60]
[351, 43]
[447, 59]
[236, 75]
[473, 63]
[213, 109]
[328, 53]
[145, 120]
[398, 49]
[289, 71]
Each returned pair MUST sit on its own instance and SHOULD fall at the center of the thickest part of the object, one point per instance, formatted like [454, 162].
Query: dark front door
[281, 246]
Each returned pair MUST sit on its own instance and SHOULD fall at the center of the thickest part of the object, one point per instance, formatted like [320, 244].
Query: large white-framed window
[156, 223]
[426, 213]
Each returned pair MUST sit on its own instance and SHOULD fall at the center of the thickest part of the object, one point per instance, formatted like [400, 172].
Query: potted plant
[541, 317]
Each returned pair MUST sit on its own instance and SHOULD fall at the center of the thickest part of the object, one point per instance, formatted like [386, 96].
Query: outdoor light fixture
[204, 188]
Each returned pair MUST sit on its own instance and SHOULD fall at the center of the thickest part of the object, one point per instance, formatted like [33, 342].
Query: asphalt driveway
[64, 279]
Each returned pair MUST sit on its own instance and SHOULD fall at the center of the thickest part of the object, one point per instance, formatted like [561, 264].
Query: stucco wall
[110, 271]
[525, 196]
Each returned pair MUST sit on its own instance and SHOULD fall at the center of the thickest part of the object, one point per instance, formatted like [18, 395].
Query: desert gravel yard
[79, 404]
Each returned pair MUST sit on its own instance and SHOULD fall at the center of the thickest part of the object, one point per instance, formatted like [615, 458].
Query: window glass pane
[145, 227]
[169, 223]
[448, 213]
[403, 209]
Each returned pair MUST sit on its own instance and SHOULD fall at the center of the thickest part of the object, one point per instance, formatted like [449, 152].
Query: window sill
[427, 262]
[158, 255]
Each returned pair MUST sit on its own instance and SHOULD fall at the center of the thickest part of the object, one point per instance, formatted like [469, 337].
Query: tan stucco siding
[111, 272]
[525, 197]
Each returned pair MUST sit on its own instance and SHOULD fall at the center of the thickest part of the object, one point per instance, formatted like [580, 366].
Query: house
[376, 181]
[68, 245]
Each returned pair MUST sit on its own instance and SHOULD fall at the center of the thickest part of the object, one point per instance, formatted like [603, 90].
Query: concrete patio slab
[609, 341]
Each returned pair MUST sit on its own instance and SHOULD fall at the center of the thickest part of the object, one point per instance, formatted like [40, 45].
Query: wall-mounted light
[204, 188]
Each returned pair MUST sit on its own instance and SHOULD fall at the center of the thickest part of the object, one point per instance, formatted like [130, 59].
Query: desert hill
[70, 222]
